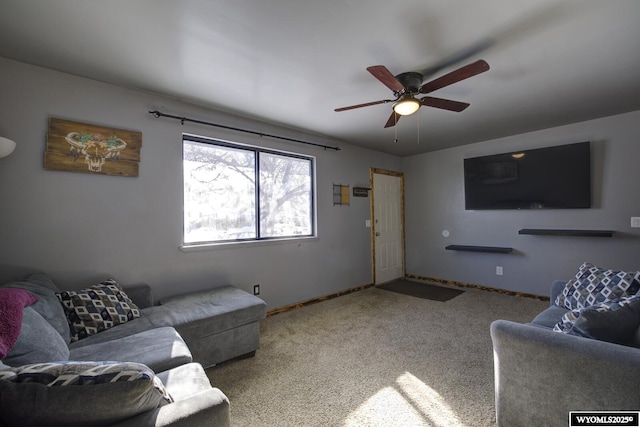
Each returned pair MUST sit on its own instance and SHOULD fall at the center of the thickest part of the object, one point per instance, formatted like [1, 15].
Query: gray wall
[435, 202]
[80, 227]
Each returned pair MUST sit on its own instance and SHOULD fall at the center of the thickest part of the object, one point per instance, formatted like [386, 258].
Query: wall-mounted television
[544, 178]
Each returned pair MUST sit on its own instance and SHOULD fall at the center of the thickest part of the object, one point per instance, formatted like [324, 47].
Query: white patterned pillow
[592, 285]
[614, 321]
[79, 393]
[97, 309]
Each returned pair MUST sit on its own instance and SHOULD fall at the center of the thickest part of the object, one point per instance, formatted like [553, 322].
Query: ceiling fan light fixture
[406, 106]
[6, 146]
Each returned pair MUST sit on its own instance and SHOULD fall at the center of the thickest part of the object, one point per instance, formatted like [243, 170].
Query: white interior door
[387, 227]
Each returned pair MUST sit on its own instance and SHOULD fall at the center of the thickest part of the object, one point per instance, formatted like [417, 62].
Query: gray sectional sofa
[142, 367]
[581, 359]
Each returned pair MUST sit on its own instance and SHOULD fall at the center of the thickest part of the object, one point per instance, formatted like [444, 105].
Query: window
[234, 192]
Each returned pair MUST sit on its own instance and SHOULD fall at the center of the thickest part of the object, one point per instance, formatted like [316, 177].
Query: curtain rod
[158, 114]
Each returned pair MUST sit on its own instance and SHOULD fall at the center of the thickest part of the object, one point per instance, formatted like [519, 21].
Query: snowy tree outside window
[234, 192]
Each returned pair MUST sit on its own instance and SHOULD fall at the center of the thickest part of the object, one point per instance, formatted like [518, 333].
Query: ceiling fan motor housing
[411, 81]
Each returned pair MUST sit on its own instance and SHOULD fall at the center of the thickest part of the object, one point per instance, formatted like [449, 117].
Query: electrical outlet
[635, 222]
[256, 289]
[499, 271]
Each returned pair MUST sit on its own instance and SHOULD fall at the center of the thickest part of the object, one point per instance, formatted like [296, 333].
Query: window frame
[257, 150]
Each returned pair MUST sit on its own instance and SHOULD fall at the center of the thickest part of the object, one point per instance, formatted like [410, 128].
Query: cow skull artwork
[95, 148]
[69, 142]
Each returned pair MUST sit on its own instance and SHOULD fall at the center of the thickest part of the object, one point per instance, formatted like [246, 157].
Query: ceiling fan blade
[393, 119]
[445, 104]
[366, 104]
[381, 73]
[458, 57]
[455, 76]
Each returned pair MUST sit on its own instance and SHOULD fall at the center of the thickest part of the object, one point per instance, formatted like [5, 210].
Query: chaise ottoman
[217, 324]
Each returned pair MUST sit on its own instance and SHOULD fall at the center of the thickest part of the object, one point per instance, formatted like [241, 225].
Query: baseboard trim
[478, 287]
[446, 282]
[316, 300]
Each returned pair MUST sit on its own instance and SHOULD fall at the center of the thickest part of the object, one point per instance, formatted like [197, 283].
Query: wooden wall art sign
[80, 147]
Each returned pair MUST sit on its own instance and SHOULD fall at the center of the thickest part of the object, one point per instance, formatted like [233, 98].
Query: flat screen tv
[544, 178]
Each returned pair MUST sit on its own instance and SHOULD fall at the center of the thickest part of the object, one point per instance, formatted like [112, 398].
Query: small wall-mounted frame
[361, 192]
[340, 194]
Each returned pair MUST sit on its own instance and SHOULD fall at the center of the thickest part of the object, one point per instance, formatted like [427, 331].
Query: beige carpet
[373, 358]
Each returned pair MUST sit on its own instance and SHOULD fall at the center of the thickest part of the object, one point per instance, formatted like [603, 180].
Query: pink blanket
[12, 303]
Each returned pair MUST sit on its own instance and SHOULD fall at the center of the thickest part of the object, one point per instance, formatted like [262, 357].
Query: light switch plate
[635, 222]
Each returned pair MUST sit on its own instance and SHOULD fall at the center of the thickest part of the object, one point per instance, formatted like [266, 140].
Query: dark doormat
[421, 290]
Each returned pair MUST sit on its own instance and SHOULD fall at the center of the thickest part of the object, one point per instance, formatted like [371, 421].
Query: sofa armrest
[207, 408]
[541, 375]
[141, 294]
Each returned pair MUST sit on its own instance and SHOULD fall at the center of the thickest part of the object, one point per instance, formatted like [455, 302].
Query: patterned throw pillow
[79, 393]
[614, 321]
[97, 309]
[592, 285]
[60, 374]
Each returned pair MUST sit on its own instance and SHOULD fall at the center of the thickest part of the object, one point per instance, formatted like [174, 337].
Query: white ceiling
[291, 62]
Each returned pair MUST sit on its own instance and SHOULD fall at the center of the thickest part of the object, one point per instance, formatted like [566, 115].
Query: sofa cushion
[185, 380]
[159, 349]
[614, 321]
[592, 285]
[97, 308]
[38, 342]
[141, 324]
[635, 340]
[48, 304]
[210, 311]
[549, 317]
[196, 403]
[78, 393]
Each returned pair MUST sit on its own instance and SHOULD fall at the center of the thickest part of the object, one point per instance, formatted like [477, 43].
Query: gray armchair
[542, 375]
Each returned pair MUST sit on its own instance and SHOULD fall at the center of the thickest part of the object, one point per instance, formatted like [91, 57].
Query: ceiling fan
[407, 86]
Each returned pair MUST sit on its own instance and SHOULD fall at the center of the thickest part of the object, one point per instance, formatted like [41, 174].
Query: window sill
[246, 244]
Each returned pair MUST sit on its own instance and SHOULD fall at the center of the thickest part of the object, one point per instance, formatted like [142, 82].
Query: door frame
[400, 175]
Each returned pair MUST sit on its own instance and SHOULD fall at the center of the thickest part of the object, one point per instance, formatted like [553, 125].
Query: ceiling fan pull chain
[395, 131]
[418, 122]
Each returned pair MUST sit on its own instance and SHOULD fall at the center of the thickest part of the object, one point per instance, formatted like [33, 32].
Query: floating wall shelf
[560, 232]
[469, 248]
